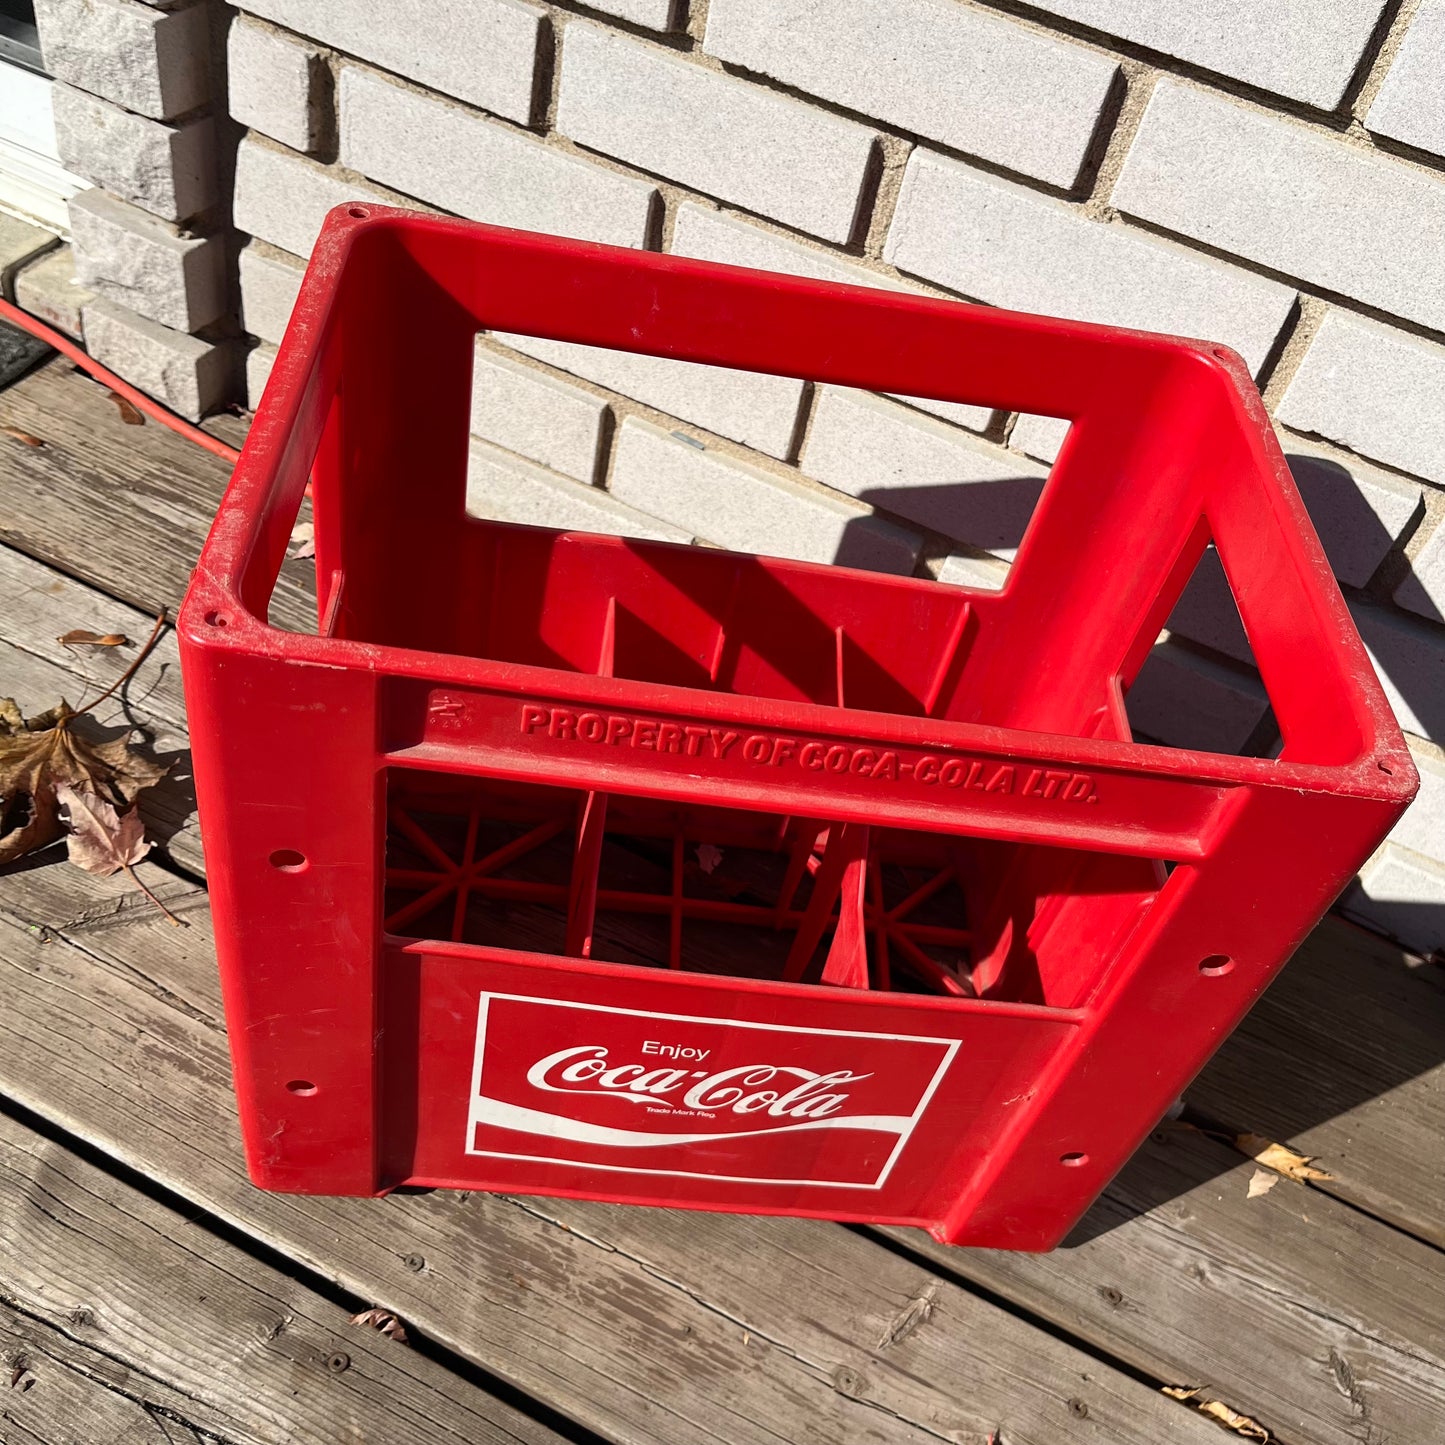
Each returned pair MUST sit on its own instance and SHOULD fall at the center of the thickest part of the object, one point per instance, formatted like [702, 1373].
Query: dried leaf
[101, 840]
[39, 755]
[303, 540]
[383, 1321]
[130, 413]
[1261, 1182]
[25, 438]
[709, 855]
[917, 1311]
[80, 637]
[1277, 1157]
[1218, 1410]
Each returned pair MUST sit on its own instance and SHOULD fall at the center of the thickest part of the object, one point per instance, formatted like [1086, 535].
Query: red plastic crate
[566, 864]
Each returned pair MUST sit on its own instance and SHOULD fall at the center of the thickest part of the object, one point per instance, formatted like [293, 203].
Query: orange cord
[137, 399]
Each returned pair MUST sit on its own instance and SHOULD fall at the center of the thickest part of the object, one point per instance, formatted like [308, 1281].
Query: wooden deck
[149, 1294]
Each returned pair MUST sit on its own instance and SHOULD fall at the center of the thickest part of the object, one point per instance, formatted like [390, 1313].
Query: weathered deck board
[108, 1029]
[56, 1387]
[126, 507]
[1321, 1322]
[126, 1317]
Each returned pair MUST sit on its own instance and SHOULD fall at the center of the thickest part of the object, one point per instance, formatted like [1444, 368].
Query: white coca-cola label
[555, 1081]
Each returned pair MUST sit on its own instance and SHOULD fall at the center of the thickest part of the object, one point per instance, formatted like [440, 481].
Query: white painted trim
[33, 183]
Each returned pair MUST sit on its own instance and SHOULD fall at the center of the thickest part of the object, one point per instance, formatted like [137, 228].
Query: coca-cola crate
[570, 864]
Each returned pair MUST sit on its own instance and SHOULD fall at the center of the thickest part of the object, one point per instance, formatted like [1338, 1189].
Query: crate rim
[1383, 770]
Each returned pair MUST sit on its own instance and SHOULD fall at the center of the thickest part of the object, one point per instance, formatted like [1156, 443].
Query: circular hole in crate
[360, 213]
[1215, 965]
[1073, 1160]
[216, 619]
[304, 1087]
[288, 860]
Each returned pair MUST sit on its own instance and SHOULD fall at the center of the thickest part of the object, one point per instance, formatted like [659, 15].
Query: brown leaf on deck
[130, 413]
[41, 754]
[79, 637]
[1277, 1157]
[384, 1322]
[1218, 1410]
[102, 841]
[917, 1311]
[25, 438]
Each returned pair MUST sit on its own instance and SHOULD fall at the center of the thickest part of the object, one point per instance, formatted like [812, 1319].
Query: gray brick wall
[1271, 176]
[140, 113]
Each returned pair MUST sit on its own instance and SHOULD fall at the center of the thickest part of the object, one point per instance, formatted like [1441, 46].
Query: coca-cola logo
[616, 1089]
[770, 1091]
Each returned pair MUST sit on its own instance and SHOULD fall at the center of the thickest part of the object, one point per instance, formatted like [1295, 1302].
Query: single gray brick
[745, 406]
[270, 283]
[1041, 437]
[283, 198]
[707, 235]
[1188, 701]
[1375, 390]
[742, 507]
[47, 288]
[1423, 591]
[483, 51]
[1410, 106]
[1305, 49]
[1358, 510]
[154, 62]
[959, 569]
[169, 170]
[503, 488]
[975, 418]
[431, 148]
[528, 412]
[720, 135]
[655, 14]
[130, 257]
[1422, 828]
[1409, 657]
[1403, 894]
[1012, 247]
[977, 82]
[921, 469]
[278, 85]
[189, 375]
[1295, 199]
[259, 361]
